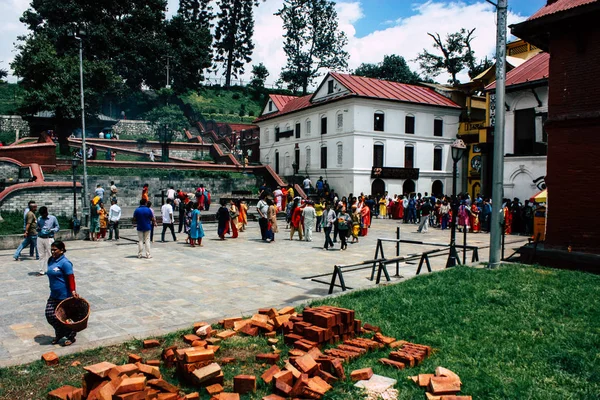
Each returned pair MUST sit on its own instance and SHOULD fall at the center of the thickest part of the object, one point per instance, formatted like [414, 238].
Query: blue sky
[379, 13]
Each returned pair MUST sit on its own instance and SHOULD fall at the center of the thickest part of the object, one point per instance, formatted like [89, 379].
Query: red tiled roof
[535, 69]
[558, 6]
[364, 87]
[375, 88]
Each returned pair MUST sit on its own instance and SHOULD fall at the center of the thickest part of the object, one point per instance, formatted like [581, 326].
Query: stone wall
[12, 123]
[128, 127]
[9, 170]
[130, 187]
[58, 200]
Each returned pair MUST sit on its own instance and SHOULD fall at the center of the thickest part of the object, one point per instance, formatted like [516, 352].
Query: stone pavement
[138, 298]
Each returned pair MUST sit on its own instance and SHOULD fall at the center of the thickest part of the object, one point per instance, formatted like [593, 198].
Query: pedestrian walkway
[137, 298]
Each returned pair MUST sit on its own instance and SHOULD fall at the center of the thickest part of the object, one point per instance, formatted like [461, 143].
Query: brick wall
[137, 128]
[573, 139]
[58, 200]
[39, 153]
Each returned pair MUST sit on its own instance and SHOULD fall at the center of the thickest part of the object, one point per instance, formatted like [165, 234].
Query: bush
[242, 110]
[221, 111]
[251, 113]
[235, 96]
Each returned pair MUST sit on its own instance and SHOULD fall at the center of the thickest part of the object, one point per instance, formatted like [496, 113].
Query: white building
[363, 135]
[525, 141]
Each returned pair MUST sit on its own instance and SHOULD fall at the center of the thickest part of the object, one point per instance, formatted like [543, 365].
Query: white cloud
[405, 37]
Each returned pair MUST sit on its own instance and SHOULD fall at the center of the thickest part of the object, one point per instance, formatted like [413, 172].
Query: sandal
[69, 342]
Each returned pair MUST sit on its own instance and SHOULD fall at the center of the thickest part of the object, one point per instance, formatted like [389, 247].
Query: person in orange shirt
[145, 193]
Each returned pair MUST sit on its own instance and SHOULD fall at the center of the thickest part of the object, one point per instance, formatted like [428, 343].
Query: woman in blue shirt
[62, 286]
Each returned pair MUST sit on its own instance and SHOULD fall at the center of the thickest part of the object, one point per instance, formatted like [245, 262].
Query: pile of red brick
[443, 385]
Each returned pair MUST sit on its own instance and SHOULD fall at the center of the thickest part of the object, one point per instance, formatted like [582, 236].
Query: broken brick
[163, 385]
[100, 369]
[226, 334]
[134, 358]
[131, 385]
[269, 358]
[65, 393]
[214, 389]
[361, 374]
[392, 363]
[228, 323]
[268, 375]
[50, 358]
[150, 343]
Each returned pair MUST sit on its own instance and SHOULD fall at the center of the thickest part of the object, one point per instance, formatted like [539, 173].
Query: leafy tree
[189, 38]
[393, 68]
[167, 121]
[259, 75]
[233, 36]
[312, 41]
[3, 74]
[457, 55]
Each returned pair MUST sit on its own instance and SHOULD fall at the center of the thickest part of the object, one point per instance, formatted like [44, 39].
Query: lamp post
[79, 37]
[457, 148]
[75, 222]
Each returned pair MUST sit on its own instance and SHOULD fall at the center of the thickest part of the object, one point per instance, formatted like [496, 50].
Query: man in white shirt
[171, 193]
[113, 190]
[309, 214]
[114, 215]
[99, 192]
[307, 183]
[262, 207]
[167, 219]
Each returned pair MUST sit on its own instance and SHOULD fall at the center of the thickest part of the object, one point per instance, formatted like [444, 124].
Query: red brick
[190, 338]
[249, 330]
[226, 334]
[228, 323]
[444, 385]
[243, 384]
[150, 343]
[154, 363]
[267, 376]
[134, 358]
[64, 393]
[273, 397]
[199, 355]
[131, 385]
[163, 385]
[50, 358]
[100, 369]
[228, 396]
[283, 388]
[192, 396]
[269, 358]
[148, 370]
[205, 373]
[284, 376]
[361, 374]
[392, 363]
[214, 389]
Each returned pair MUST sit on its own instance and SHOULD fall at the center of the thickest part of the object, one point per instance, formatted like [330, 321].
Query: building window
[525, 132]
[340, 121]
[307, 157]
[324, 157]
[378, 121]
[378, 155]
[409, 156]
[323, 125]
[296, 160]
[409, 124]
[330, 87]
[277, 162]
[277, 134]
[270, 106]
[288, 164]
[308, 127]
[340, 153]
[438, 127]
[266, 135]
[297, 130]
[437, 158]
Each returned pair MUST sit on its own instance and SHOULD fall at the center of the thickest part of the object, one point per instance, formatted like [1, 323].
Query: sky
[374, 28]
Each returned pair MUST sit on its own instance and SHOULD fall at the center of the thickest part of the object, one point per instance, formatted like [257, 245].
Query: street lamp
[457, 149]
[75, 222]
[79, 36]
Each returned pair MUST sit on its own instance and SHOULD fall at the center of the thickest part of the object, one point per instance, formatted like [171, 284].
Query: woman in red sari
[399, 208]
[507, 218]
[475, 225]
[365, 213]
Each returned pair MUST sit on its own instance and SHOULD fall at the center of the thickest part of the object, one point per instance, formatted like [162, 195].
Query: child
[103, 216]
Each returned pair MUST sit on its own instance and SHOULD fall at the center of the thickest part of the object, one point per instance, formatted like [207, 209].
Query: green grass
[13, 222]
[518, 332]
[225, 105]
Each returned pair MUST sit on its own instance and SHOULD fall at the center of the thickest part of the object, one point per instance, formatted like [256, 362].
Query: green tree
[456, 55]
[392, 68]
[190, 40]
[312, 41]
[259, 76]
[233, 36]
[167, 121]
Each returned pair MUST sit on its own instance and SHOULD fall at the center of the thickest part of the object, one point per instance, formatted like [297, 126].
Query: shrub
[251, 113]
[235, 96]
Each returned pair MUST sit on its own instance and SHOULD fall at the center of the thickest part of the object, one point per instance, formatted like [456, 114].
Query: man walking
[144, 220]
[114, 215]
[262, 207]
[167, 219]
[47, 226]
[32, 245]
[309, 214]
[425, 211]
[307, 184]
[99, 192]
[30, 235]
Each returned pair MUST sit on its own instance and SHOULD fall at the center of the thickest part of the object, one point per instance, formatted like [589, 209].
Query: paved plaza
[180, 285]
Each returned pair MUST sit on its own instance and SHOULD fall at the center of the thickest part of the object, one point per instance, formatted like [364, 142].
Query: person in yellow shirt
[319, 208]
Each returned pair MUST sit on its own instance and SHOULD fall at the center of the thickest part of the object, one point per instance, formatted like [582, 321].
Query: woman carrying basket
[62, 286]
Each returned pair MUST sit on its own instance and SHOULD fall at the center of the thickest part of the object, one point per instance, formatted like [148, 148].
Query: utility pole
[84, 200]
[498, 160]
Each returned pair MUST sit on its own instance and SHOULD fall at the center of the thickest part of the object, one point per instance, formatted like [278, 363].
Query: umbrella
[541, 197]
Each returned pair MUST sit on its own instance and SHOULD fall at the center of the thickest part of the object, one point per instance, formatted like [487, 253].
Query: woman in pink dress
[463, 217]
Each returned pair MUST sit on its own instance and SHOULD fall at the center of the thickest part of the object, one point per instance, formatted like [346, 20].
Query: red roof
[363, 87]
[535, 69]
[375, 88]
[559, 6]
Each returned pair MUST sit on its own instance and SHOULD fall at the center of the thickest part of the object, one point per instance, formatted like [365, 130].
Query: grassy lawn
[513, 333]
[13, 222]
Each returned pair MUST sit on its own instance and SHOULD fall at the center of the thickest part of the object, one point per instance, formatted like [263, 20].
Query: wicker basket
[75, 309]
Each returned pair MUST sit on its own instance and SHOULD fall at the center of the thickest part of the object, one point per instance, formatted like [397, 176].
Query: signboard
[394, 173]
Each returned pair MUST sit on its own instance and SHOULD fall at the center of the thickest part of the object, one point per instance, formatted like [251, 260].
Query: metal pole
[83, 145]
[452, 255]
[74, 193]
[498, 161]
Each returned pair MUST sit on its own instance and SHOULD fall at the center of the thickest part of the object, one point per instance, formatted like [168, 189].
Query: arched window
[266, 138]
[277, 133]
[323, 124]
[409, 124]
[339, 117]
[308, 127]
[408, 187]
[437, 158]
[378, 152]
[288, 164]
[437, 188]
[379, 121]
[276, 162]
[438, 127]
[308, 155]
[340, 153]
[297, 129]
